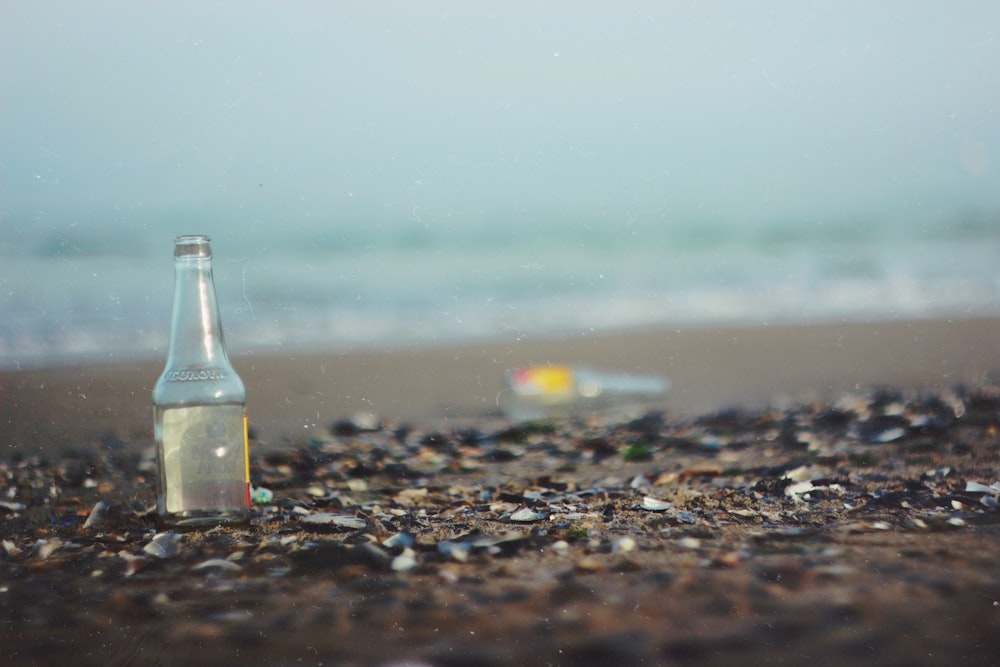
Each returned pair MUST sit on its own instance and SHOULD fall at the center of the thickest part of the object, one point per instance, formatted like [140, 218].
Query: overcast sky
[473, 112]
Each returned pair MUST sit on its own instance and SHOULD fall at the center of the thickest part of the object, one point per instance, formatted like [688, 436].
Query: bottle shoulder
[199, 384]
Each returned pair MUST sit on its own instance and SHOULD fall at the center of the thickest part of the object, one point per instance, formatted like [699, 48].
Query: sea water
[104, 294]
[377, 178]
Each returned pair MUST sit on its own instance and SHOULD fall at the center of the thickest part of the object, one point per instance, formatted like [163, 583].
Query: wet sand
[297, 394]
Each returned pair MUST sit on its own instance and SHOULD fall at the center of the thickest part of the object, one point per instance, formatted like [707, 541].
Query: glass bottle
[199, 406]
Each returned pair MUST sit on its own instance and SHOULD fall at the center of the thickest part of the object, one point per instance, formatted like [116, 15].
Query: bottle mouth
[192, 245]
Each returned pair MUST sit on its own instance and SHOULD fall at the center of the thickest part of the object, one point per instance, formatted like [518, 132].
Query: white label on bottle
[205, 458]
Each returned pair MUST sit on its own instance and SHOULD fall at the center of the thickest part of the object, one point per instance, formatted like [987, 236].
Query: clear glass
[199, 406]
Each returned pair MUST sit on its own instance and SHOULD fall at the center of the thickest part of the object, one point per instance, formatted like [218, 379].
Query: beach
[301, 393]
[825, 492]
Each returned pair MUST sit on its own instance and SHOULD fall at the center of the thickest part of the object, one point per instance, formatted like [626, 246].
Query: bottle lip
[192, 245]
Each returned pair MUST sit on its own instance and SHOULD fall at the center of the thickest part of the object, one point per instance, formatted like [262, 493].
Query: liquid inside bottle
[199, 406]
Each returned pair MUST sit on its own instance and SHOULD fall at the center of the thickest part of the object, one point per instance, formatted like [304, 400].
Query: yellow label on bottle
[205, 458]
[547, 381]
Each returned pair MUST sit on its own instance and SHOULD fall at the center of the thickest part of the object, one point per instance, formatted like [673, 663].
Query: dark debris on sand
[865, 530]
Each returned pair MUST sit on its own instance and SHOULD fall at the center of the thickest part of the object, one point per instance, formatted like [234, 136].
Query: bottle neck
[196, 339]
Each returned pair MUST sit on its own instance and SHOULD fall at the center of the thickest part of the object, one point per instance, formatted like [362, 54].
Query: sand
[297, 394]
[821, 522]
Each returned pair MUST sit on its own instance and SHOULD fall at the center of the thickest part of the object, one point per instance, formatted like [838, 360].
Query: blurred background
[401, 173]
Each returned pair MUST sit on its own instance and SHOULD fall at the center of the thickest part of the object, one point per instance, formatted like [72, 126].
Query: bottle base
[201, 519]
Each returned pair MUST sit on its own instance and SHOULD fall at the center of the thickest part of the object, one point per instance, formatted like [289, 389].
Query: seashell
[333, 519]
[97, 515]
[164, 545]
[13, 507]
[398, 540]
[655, 504]
[976, 487]
[47, 547]
[689, 542]
[888, 435]
[457, 550]
[132, 563]
[526, 514]
[624, 545]
[799, 488]
[405, 561]
[218, 563]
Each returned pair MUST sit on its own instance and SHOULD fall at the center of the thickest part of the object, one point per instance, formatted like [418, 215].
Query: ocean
[104, 294]
[400, 174]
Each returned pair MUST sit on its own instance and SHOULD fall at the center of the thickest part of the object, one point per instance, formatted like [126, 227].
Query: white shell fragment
[798, 488]
[975, 487]
[889, 435]
[405, 561]
[333, 519]
[218, 564]
[47, 547]
[97, 515]
[398, 540]
[527, 514]
[655, 504]
[164, 545]
[13, 507]
[624, 546]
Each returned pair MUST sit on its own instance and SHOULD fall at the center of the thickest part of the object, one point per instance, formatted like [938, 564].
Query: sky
[122, 115]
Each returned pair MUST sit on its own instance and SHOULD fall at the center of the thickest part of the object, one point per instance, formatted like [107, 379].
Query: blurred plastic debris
[261, 496]
[541, 392]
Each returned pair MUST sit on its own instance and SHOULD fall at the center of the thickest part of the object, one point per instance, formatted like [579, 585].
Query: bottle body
[199, 406]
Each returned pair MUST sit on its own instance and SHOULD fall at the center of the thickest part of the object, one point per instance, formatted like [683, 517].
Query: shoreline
[302, 392]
